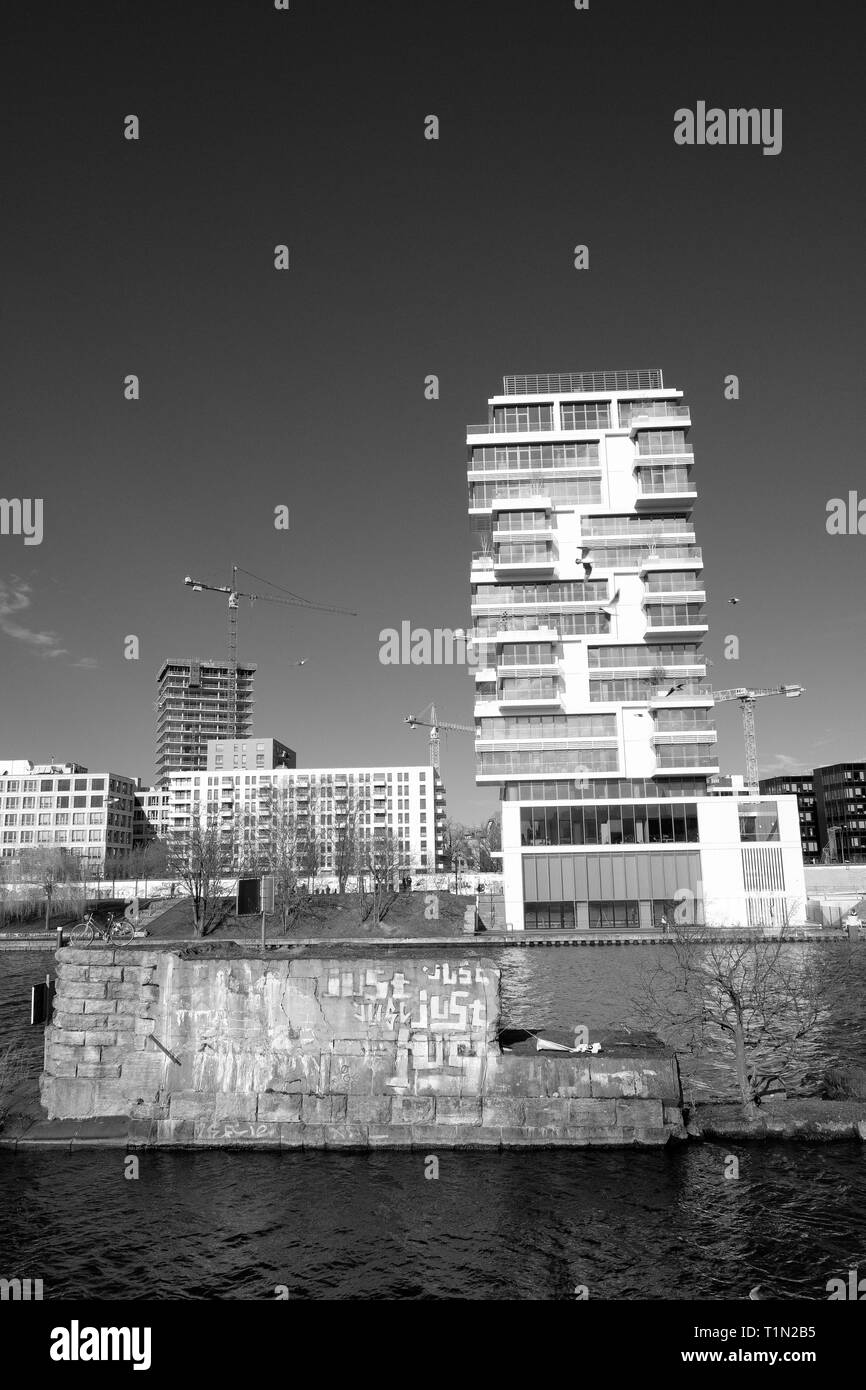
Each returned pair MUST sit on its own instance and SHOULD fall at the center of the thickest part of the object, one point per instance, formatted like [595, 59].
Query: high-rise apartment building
[592, 709]
[195, 703]
[801, 785]
[840, 807]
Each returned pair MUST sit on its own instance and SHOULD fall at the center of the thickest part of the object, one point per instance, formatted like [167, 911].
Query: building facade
[86, 814]
[195, 703]
[401, 806]
[840, 810]
[802, 786]
[593, 714]
[241, 754]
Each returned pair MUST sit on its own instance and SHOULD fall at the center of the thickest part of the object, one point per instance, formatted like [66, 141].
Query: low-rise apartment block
[88, 814]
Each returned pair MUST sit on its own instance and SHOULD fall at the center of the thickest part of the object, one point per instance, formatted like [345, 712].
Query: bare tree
[457, 847]
[378, 873]
[346, 846]
[283, 855]
[756, 1003]
[199, 857]
[48, 866]
[490, 840]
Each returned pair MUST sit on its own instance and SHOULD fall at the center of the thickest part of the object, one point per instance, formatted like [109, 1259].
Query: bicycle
[114, 930]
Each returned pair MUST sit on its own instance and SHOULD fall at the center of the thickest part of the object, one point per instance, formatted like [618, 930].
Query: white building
[592, 709]
[406, 805]
[88, 814]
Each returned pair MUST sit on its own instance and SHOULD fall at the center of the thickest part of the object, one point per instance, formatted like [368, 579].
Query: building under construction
[197, 701]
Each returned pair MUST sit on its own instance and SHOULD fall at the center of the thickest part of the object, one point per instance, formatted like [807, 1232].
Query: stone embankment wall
[392, 1049]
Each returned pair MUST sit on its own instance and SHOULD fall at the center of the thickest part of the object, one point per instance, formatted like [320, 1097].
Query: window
[585, 415]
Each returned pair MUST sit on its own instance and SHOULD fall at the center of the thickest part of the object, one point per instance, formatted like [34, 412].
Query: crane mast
[234, 597]
[747, 699]
[434, 724]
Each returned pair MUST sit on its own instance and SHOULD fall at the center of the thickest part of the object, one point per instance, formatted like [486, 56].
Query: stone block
[277, 1106]
[117, 989]
[65, 1098]
[73, 1037]
[58, 1052]
[313, 1136]
[412, 1110]
[148, 993]
[291, 1136]
[191, 1105]
[523, 1076]
[457, 1110]
[140, 1025]
[77, 972]
[323, 1110]
[435, 1137]
[389, 1136]
[142, 1132]
[301, 1072]
[138, 974]
[73, 1022]
[360, 1076]
[547, 1112]
[367, 1110]
[465, 1077]
[80, 989]
[140, 1068]
[517, 1137]
[120, 1022]
[503, 1110]
[595, 1113]
[99, 1071]
[637, 1111]
[483, 1136]
[235, 1105]
[636, 1075]
[102, 1037]
[237, 1134]
[180, 1132]
[80, 955]
[104, 973]
[100, 1006]
[345, 1136]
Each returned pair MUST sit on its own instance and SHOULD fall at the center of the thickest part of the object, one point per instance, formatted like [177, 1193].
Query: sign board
[41, 1000]
[267, 893]
[248, 896]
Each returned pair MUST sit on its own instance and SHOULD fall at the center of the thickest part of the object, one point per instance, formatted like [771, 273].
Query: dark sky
[408, 257]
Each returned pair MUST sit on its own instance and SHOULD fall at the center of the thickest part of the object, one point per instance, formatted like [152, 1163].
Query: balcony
[517, 558]
[665, 456]
[540, 692]
[708, 765]
[662, 499]
[647, 419]
[673, 624]
[672, 557]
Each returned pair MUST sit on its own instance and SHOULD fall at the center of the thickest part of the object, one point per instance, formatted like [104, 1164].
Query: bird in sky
[733, 600]
[674, 688]
[303, 661]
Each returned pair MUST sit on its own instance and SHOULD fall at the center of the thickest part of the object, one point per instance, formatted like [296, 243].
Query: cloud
[86, 662]
[15, 598]
[783, 762]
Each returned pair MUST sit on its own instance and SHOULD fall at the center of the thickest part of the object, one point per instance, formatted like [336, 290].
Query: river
[625, 1224]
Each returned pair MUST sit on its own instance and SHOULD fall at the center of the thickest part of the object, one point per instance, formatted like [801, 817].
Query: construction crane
[434, 724]
[235, 594]
[747, 698]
